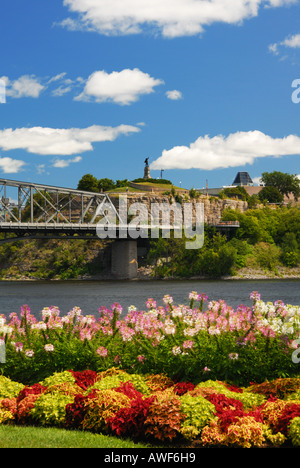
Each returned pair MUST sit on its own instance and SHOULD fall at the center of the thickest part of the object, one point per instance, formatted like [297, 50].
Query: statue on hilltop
[147, 169]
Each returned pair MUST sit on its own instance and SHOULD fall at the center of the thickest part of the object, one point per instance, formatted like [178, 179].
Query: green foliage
[106, 184]
[171, 258]
[47, 259]
[198, 411]
[8, 388]
[88, 183]
[152, 181]
[272, 237]
[58, 378]
[283, 182]
[50, 409]
[266, 255]
[235, 192]
[294, 431]
[270, 194]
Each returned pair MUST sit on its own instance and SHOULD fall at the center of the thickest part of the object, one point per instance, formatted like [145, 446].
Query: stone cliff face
[213, 207]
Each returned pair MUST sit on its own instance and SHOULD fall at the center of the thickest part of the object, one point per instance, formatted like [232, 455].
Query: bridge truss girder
[38, 203]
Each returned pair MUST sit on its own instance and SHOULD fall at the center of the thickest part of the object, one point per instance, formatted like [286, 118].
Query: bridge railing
[22, 202]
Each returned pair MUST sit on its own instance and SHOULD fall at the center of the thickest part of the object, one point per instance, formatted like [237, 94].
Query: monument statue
[147, 169]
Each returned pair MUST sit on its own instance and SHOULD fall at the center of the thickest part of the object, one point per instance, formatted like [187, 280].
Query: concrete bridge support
[124, 259]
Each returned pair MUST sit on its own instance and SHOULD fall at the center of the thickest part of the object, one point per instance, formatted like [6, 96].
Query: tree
[285, 183]
[88, 183]
[271, 194]
[106, 184]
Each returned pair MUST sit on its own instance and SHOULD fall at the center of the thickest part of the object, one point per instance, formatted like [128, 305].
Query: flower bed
[156, 409]
[195, 342]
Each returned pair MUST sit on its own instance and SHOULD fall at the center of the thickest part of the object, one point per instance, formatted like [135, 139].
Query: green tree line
[266, 239]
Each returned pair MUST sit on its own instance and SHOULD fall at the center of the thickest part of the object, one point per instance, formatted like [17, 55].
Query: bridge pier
[124, 259]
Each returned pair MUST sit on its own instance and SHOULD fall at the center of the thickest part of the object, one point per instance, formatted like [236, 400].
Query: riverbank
[146, 273]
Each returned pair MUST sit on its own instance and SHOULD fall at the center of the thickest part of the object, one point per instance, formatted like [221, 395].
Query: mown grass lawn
[36, 437]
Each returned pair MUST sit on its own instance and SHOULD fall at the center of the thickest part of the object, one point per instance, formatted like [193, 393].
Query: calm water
[90, 295]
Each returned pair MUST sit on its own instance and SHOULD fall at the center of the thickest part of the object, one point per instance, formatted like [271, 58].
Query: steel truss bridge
[30, 210]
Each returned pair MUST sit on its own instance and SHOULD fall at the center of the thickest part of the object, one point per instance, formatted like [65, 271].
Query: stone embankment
[213, 207]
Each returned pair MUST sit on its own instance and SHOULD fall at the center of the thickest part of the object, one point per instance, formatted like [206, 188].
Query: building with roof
[242, 179]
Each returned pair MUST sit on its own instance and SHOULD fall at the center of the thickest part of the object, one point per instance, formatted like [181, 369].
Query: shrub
[130, 421]
[50, 409]
[58, 378]
[76, 411]
[291, 411]
[85, 378]
[294, 431]
[24, 408]
[245, 433]
[197, 412]
[103, 406]
[183, 387]
[164, 417]
[35, 389]
[280, 388]
[8, 388]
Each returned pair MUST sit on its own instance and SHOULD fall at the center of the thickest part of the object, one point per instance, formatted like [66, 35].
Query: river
[90, 295]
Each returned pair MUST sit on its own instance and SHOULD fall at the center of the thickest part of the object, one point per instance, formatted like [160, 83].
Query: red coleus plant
[129, 390]
[85, 379]
[181, 388]
[290, 411]
[35, 389]
[24, 408]
[229, 410]
[75, 412]
[130, 421]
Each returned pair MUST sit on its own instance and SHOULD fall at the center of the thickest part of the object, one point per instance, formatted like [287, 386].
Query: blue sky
[203, 88]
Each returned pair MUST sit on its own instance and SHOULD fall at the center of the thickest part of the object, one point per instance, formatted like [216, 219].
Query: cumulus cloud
[24, 86]
[174, 95]
[31, 86]
[124, 87]
[170, 18]
[238, 149]
[60, 141]
[292, 42]
[11, 166]
[62, 163]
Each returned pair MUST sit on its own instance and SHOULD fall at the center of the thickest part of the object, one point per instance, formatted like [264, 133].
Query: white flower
[176, 350]
[49, 348]
[167, 299]
[233, 356]
[193, 295]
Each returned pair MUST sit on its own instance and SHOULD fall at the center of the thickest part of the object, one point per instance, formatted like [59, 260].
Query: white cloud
[60, 141]
[257, 180]
[238, 149]
[62, 163]
[61, 91]
[58, 77]
[174, 95]
[292, 42]
[124, 87]
[32, 86]
[25, 86]
[173, 18]
[11, 166]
